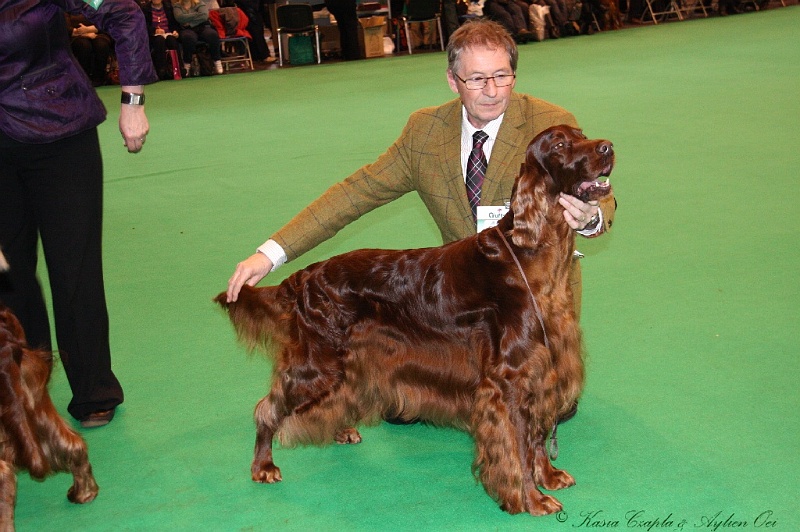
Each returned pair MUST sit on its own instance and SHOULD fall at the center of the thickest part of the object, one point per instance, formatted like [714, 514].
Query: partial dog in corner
[33, 436]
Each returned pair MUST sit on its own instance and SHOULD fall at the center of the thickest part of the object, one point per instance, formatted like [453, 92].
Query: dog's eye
[559, 146]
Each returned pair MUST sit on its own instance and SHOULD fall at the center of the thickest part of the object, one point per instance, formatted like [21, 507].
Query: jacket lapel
[451, 162]
[509, 138]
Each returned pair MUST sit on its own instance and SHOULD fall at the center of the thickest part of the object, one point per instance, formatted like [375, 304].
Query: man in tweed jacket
[429, 157]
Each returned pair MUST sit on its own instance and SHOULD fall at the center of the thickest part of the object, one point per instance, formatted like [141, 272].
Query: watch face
[132, 99]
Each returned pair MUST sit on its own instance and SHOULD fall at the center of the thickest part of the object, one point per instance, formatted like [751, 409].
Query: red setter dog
[32, 434]
[479, 334]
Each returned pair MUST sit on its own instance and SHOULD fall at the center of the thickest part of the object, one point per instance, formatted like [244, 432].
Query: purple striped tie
[476, 171]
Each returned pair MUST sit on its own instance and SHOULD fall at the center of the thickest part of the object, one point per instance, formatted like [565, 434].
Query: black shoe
[98, 419]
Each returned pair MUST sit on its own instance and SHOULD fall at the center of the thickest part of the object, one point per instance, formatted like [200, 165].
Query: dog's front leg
[544, 473]
[536, 502]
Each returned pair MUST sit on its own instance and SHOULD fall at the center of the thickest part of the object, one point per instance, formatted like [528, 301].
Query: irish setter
[33, 436]
[479, 334]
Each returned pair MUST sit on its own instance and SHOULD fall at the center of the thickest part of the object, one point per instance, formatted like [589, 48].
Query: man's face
[483, 105]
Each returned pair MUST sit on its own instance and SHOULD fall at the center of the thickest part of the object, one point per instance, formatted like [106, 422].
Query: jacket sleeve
[124, 21]
[371, 186]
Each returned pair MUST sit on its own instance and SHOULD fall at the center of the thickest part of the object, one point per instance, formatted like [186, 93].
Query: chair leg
[408, 37]
[441, 34]
[319, 55]
[280, 49]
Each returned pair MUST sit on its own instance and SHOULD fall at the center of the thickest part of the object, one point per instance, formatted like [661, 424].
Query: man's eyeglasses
[479, 82]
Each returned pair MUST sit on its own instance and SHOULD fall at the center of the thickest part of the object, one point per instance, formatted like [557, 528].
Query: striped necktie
[476, 170]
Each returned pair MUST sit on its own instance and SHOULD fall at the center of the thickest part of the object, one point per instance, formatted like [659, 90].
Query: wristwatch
[132, 98]
[591, 224]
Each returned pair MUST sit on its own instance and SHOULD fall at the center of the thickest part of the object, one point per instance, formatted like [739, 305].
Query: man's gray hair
[480, 32]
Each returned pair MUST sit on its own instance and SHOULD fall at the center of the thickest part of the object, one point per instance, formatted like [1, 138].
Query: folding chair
[296, 19]
[236, 53]
[419, 11]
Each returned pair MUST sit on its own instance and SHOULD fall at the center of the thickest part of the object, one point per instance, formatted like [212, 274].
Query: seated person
[192, 16]
[91, 48]
[511, 16]
[255, 26]
[163, 30]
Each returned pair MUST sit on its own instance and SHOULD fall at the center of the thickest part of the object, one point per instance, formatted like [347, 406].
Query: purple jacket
[44, 94]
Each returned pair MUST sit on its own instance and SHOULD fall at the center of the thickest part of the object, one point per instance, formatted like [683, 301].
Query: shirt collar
[490, 129]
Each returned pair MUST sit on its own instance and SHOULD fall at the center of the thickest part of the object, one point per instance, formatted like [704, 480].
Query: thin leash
[553, 436]
[530, 292]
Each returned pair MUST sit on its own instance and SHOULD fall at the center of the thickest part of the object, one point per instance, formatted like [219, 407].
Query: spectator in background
[163, 31]
[513, 18]
[255, 26]
[344, 11]
[192, 16]
[91, 47]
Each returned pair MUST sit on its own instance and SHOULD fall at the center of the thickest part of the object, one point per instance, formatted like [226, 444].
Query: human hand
[578, 213]
[159, 31]
[250, 271]
[133, 122]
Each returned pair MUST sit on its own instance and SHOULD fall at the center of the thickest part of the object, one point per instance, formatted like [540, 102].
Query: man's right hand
[250, 271]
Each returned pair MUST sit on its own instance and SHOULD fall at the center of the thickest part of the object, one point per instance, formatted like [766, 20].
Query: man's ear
[451, 80]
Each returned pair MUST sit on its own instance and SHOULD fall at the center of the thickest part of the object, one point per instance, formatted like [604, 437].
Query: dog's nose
[605, 148]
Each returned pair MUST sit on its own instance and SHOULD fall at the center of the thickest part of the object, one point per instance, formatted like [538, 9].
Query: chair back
[298, 17]
[422, 9]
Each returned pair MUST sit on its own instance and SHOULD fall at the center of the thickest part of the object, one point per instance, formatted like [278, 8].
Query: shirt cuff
[594, 230]
[274, 252]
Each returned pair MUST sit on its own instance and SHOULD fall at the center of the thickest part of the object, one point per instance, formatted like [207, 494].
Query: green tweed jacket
[427, 159]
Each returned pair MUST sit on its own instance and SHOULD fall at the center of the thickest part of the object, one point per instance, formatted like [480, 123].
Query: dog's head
[559, 160]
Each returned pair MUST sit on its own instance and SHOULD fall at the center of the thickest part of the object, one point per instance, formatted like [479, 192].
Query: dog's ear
[529, 199]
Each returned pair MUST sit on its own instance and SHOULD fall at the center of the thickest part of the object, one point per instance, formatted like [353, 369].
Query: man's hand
[250, 271]
[577, 213]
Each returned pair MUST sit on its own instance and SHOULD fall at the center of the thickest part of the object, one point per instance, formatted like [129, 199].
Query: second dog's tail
[257, 315]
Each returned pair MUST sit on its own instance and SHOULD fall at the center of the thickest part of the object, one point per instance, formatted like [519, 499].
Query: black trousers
[55, 191]
[347, 21]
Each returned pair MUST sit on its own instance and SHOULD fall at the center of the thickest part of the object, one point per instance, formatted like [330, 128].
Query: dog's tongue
[593, 190]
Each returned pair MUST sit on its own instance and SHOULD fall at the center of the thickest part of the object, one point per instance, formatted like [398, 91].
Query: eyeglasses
[479, 82]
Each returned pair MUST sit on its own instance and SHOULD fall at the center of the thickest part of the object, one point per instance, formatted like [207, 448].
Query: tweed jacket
[427, 159]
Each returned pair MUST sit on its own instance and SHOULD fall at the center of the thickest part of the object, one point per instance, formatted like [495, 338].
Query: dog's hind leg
[66, 451]
[8, 495]
[269, 414]
[63, 448]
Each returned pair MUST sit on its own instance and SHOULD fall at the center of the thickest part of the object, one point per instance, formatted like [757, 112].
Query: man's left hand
[577, 213]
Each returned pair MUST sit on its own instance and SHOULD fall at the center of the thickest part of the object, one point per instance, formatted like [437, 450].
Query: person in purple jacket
[51, 181]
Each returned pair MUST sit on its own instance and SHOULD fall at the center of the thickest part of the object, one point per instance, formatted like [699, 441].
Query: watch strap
[132, 98]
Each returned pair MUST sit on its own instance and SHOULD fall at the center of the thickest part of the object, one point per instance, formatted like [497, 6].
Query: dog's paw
[82, 492]
[266, 473]
[541, 504]
[348, 435]
[556, 479]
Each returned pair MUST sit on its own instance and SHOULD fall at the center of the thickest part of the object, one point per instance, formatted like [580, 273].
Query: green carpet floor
[690, 413]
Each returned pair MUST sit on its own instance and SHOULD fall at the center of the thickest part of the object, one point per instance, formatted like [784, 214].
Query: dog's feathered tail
[3, 263]
[258, 316]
